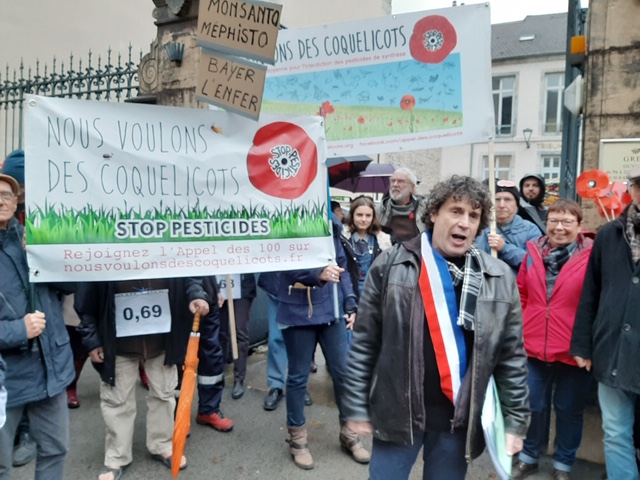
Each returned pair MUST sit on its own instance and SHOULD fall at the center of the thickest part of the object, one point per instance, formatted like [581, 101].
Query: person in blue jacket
[513, 232]
[35, 346]
[308, 313]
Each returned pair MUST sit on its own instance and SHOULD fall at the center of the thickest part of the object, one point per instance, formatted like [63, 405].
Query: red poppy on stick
[590, 183]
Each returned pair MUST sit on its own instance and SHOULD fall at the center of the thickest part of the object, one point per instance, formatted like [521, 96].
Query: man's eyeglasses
[566, 222]
[7, 195]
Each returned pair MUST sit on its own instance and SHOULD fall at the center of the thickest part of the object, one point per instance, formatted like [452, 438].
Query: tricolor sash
[441, 308]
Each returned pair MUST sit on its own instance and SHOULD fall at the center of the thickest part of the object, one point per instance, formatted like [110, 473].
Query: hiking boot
[523, 470]
[25, 451]
[216, 421]
[308, 401]
[72, 398]
[298, 447]
[238, 390]
[272, 399]
[561, 475]
[350, 443]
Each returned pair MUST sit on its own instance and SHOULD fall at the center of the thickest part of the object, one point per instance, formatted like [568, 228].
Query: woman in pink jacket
[550, 282]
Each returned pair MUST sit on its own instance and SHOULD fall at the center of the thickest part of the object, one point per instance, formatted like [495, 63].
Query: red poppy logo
[412, 215]
[407, 102]
[361, 120]
[433, 39]
[283, 161]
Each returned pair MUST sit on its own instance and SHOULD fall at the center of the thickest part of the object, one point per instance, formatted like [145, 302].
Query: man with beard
[401, 210]
[532, 191]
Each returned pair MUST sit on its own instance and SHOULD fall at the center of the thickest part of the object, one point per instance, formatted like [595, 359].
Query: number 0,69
[145, 312]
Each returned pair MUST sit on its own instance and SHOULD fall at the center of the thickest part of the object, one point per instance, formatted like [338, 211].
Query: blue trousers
[300, 343]
[277, 354]
[443, 457]
[49, 428]
[618, 416]
[572, 386]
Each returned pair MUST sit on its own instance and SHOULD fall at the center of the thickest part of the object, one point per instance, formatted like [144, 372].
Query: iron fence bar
[103, 82]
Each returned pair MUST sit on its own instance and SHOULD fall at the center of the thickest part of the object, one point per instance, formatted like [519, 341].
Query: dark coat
[607, 327]
[296, 304]
[95, 305]
[385, 377]
[352, 261]
[533, 210]
[35, 369]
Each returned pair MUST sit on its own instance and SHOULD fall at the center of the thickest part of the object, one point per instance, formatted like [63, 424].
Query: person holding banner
[436, 320]
[243, 287]
[35, 346]
[211, 363]
[310, 312]
[121, 323]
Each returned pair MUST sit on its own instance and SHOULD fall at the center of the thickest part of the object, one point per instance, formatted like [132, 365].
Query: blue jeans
[443, 457]
[301, 343]
[572, 386]
[49, 428]
[618, 416]
[277, 354]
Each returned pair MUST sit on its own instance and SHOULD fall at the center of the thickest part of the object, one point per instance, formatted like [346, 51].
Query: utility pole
[571, 124]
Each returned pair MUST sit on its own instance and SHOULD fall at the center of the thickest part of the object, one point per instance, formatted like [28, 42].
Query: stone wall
[612, 108]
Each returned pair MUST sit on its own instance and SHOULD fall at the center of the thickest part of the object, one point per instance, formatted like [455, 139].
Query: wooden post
[232, 319]
[492, 190]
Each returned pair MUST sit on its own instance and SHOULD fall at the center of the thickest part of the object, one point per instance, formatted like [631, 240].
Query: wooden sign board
[247, 28]
[232, 83]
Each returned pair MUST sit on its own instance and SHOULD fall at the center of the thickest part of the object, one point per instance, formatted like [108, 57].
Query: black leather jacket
[384, 383]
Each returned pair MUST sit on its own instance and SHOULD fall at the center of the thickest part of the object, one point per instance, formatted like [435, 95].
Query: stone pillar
[612, 108]
[165, 81]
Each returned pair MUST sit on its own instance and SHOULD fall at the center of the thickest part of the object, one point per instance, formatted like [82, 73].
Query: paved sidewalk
[256, 447]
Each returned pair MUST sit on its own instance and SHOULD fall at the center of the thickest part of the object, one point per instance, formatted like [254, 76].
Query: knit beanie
[509, 187]
[14, 165]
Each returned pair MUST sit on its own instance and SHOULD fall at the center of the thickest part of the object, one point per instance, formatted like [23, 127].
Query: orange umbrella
[183, 413]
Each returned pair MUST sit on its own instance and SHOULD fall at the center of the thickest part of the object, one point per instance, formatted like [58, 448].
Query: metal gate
[99, 80]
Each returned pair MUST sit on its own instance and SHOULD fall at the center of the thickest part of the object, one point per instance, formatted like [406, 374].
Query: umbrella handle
[196, 320]
[232, 319]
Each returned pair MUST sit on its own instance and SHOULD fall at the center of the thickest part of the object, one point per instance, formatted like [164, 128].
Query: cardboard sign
[231, 83]
[236, 27]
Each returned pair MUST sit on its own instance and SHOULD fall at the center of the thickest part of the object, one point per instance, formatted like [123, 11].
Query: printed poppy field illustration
[375, 100]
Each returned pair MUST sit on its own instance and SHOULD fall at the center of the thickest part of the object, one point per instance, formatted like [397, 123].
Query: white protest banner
[231, 83]
[126, 191]
[403, 82]
[247, 28]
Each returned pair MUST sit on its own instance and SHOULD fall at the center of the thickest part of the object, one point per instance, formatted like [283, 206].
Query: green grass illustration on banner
[50, 225]
[349, 122]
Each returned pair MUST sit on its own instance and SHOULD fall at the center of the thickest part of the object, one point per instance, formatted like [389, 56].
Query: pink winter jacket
[547, 327]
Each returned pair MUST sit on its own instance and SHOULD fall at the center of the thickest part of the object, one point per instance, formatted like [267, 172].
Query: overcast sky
[39, 29]
[501, 10]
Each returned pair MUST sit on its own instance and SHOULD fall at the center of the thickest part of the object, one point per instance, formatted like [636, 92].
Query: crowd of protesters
[425, 304]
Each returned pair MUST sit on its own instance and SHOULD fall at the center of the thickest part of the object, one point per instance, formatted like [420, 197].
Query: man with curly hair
[436, 320]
